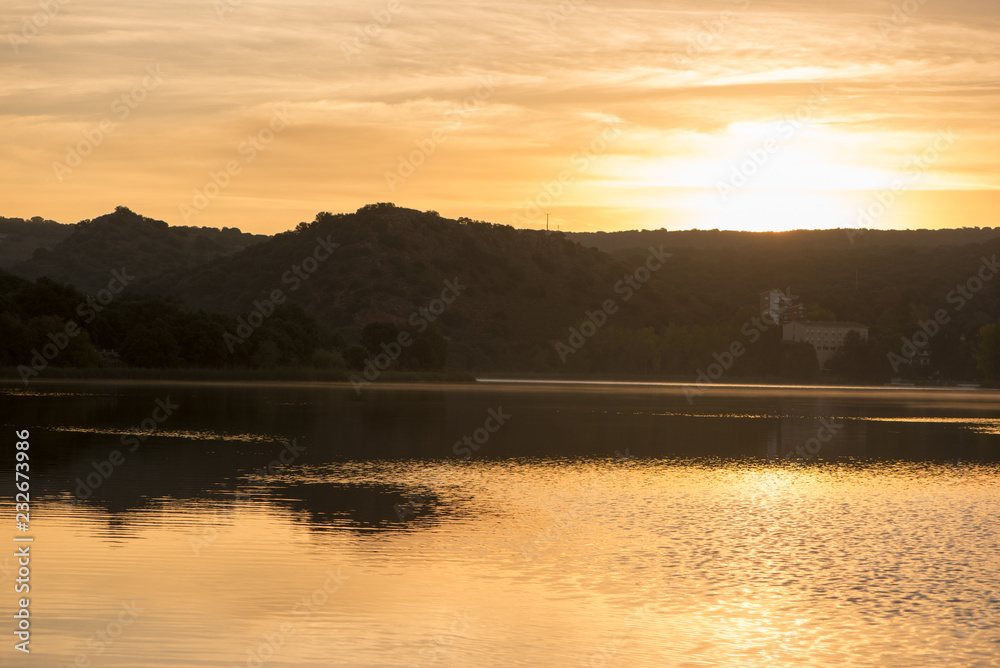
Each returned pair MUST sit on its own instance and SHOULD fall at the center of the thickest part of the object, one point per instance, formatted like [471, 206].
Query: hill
[93, 248]
[485, 297]
[524, 288]
[20, 238]
[878, 284]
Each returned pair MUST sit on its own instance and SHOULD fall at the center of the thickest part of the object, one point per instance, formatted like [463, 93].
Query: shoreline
[10, 376]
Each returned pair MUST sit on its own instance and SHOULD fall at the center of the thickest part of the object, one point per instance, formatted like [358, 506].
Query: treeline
[967, 351]
[733, 352]
[45, 324]
[791, 241]
[745, 346]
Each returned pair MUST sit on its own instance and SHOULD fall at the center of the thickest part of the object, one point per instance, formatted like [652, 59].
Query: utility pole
[546, 222]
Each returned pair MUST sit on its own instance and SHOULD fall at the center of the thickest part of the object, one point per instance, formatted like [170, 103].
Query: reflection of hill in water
[223, 434]
[320, 506]
[357, 506]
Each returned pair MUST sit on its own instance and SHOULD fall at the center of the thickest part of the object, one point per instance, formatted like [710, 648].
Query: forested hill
[523, 288]
[885, 285]
[358, 279]
[91, 248]
[20, 238]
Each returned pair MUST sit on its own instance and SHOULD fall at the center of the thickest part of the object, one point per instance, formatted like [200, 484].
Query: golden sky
[730, 114]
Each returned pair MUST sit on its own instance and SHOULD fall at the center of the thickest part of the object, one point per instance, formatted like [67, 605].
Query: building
[780, 308]
[825, 337]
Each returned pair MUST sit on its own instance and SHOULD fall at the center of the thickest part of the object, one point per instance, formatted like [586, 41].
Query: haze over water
[599, 525]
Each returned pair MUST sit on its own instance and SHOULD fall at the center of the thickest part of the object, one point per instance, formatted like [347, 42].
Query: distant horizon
[244, 229]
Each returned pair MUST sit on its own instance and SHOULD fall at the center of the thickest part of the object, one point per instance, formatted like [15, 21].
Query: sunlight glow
[776, 175]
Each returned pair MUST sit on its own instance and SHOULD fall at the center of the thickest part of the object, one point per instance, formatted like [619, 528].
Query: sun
[761, 176]
[761, 210]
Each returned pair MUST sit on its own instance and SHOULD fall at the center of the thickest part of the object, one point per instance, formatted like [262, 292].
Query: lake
[507, 524]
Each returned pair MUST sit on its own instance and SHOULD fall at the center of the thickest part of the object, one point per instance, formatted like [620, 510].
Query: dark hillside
[86, 257]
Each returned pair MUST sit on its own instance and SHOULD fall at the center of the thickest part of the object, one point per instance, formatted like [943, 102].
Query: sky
[729, 114]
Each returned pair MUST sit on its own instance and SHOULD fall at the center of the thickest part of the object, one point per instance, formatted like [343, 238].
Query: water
[599, 525]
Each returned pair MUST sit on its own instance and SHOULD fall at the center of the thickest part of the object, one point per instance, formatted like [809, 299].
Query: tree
[356, 356]
[851, 360]
[376, 334]
[862, 360]
[73, 351]
[14, 345]
[267, 356]
[151, 347]
[428, 352]
[987, 351]
[817, 314]
[798, 361]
